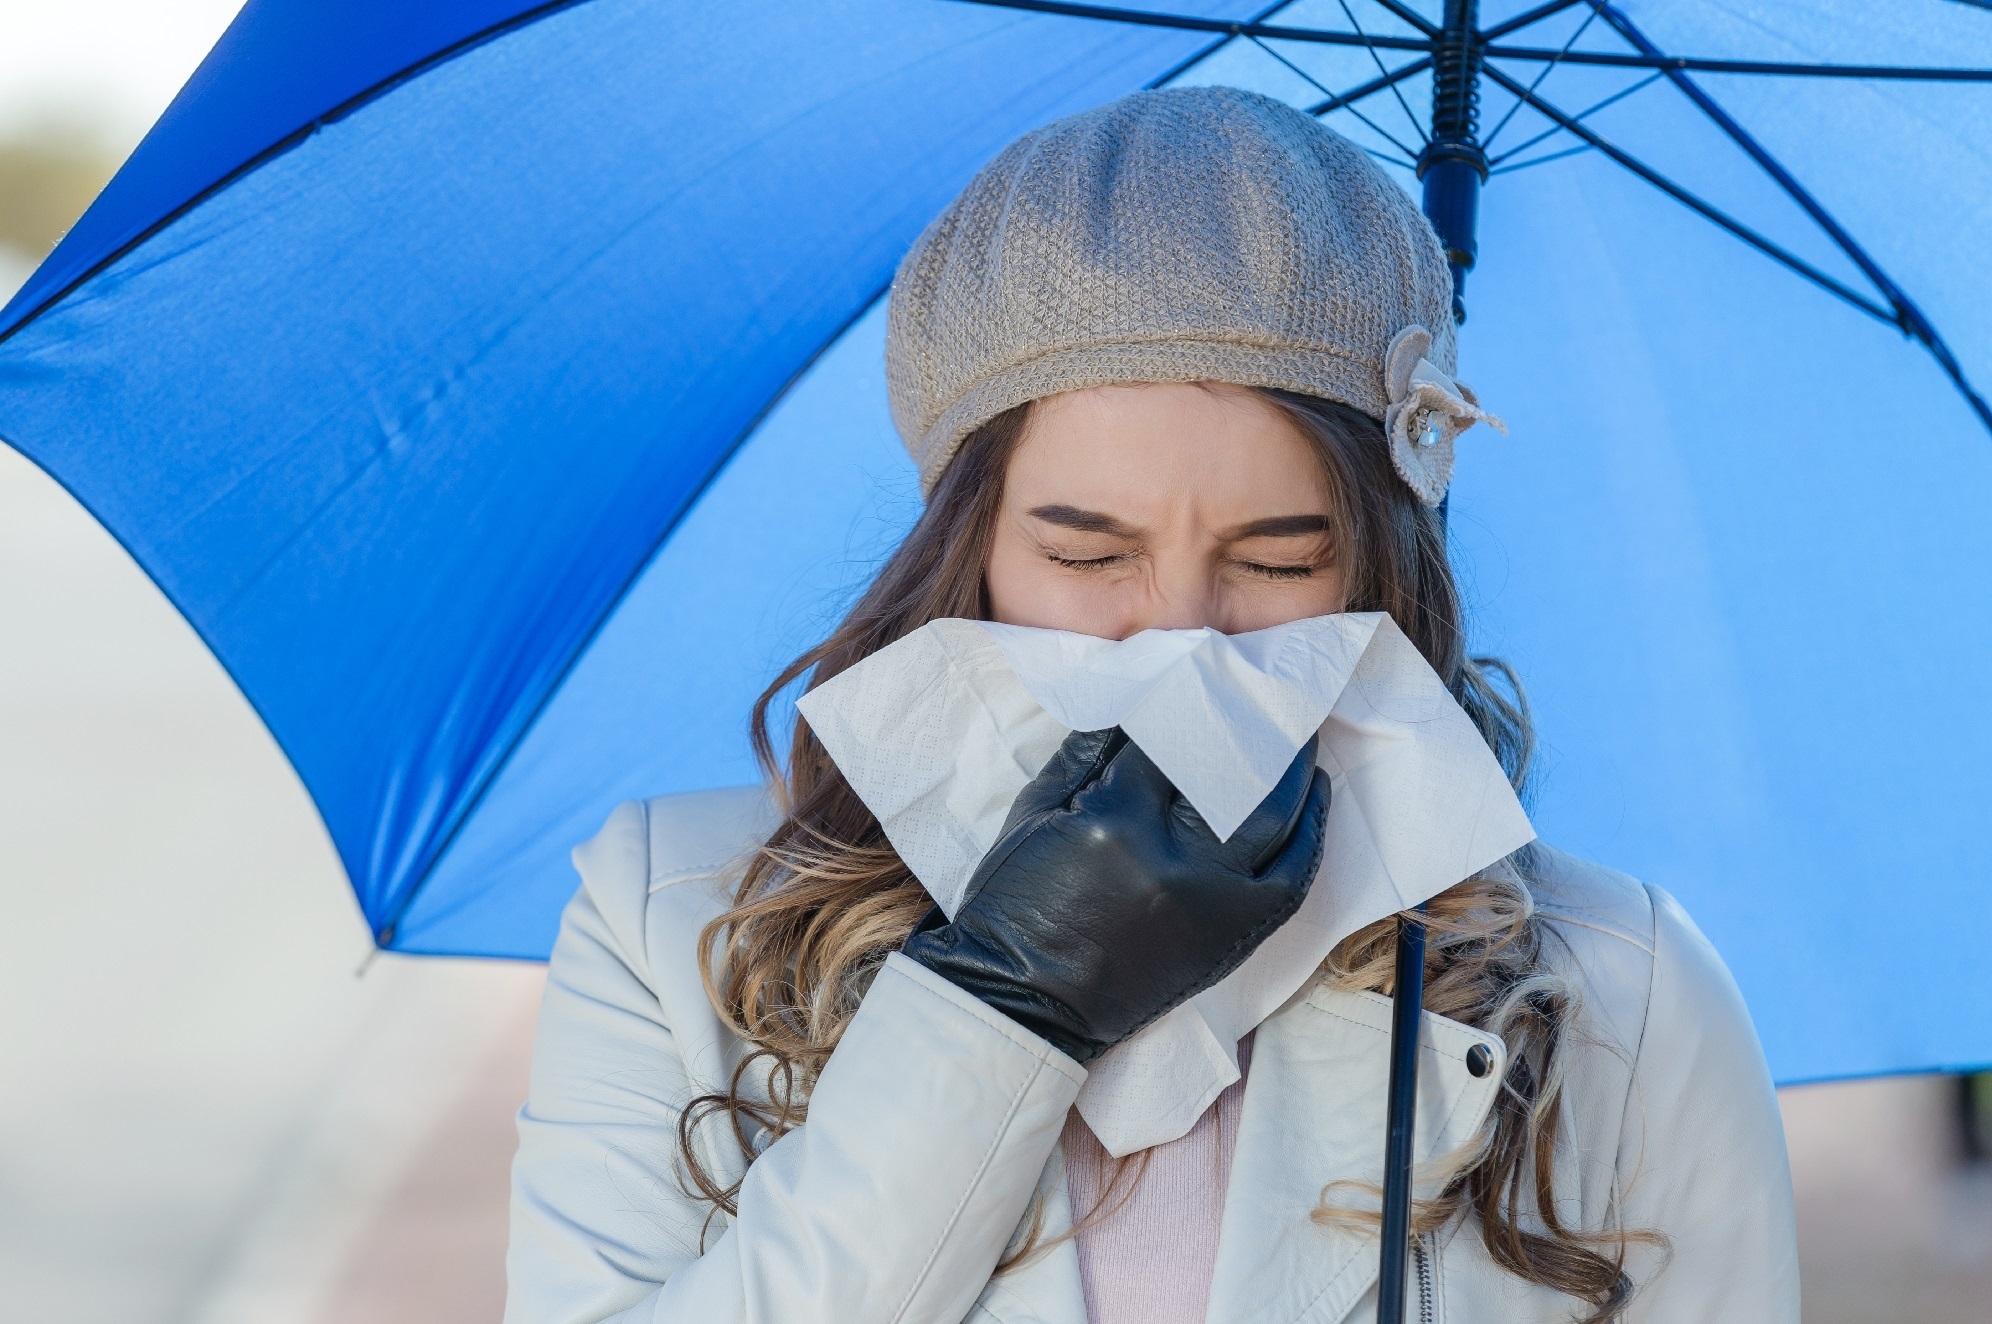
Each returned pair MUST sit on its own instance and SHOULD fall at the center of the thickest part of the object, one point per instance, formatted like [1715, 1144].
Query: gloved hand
[1107, 900]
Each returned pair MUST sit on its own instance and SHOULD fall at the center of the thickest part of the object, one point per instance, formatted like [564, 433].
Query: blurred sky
[80, 83]
[114, 62]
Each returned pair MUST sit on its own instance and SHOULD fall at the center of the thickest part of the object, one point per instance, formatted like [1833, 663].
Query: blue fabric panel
[396, 417]
[1734, 543]
[1906, 167]
[759, 571]
[1735, 546]
[280, 65]
[1729, 545]
[399, 416]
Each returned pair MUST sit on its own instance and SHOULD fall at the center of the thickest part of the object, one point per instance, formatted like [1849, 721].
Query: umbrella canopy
[497, 388]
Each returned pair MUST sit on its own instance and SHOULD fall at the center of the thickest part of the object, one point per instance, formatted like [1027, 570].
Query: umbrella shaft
[1452, 166]
[1452, 205]
[1405, 1017]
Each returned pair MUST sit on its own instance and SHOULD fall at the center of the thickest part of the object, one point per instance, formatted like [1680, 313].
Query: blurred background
[215, 1106]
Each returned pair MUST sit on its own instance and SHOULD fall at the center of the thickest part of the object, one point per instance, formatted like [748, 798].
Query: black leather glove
[1107, 900]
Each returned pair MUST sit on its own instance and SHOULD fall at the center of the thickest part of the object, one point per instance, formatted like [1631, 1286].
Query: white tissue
[939, 731]
[1221, 715]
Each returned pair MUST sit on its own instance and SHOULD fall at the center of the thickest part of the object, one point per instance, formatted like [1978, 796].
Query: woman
[1179, 361]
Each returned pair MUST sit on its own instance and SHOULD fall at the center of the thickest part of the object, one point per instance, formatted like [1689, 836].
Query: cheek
[1262, 606]
[1026, 589]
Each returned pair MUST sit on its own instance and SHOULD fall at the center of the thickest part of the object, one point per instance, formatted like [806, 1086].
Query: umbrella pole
[1407, 1006]
[1452, 168]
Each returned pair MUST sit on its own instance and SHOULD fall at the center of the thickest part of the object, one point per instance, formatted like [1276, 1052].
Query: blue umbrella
[496, 387]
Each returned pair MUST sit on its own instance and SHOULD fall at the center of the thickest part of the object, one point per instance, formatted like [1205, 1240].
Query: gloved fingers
[1269, 827]
[1075, 764]
[1299, 858]
[1077, 761]
[1131, 789]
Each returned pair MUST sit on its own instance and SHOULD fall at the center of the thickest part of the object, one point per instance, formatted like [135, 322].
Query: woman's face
[1162, 505]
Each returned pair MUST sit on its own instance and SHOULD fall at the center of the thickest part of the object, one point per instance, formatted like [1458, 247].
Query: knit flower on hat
[1427, 410]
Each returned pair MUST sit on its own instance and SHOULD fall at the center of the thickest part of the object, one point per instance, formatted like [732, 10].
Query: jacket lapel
[1313, 1114]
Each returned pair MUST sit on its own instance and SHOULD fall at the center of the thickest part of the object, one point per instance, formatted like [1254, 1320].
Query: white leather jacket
[937, 1119]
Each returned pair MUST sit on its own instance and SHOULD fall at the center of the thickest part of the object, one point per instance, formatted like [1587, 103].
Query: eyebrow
[1084, 521]
[1095, 521]
[1282, 526]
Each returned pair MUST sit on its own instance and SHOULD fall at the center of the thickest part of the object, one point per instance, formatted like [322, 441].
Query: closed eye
[1089, 563]
[1278, 571]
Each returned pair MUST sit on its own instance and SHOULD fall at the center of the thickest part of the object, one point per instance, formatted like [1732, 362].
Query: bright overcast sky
[119, 61]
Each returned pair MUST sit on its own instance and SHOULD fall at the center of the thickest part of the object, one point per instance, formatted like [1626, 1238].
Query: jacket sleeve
[927, 1133]
[1702, 1152]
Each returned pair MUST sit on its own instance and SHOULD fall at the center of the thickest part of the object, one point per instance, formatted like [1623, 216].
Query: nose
[1180, 596]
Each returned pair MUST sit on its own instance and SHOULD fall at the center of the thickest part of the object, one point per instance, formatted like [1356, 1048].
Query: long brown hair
[826, 898]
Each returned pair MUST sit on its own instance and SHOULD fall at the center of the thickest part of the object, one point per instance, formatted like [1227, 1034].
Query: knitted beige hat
[1190, 234]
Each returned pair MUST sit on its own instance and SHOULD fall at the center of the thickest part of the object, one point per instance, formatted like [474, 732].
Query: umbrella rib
[1547, 70]
[1583, 114]
[1186, 23]
[1908, 316]
[1371, 88]
[1755, 150]
[1520, 21]
[1682, 195]
[1409, 15]
[1347, 104]
[1539, 160]
[1324, 36]
[1386, 157]
[1404, 105]
[1699, 64]
[1164, 79]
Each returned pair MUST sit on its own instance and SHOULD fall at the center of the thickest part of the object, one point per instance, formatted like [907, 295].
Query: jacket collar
[1313, 1114]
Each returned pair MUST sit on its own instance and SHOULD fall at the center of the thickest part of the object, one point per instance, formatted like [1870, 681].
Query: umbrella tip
[373, 954]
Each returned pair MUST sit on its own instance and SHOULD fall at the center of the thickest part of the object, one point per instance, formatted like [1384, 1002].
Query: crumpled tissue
[939, 731]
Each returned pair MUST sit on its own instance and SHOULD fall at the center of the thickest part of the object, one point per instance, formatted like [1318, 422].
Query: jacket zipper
[1427, 1312]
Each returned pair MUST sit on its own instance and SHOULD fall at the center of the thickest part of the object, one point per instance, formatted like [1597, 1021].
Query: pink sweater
[1149, 1260]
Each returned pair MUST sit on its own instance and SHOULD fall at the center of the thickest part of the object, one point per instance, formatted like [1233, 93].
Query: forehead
[1150, 450]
